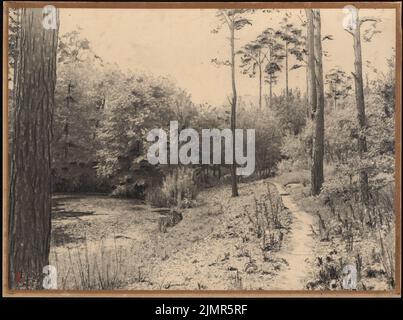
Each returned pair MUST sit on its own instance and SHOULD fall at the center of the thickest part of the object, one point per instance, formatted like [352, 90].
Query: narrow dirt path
[299, 248]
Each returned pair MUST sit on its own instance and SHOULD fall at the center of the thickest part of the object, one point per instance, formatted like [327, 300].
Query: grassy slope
[101, 243]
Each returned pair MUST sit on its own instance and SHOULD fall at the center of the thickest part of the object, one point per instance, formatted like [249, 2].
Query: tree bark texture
[233, 115]
[319, 126]
[30, 180]
[360, 103]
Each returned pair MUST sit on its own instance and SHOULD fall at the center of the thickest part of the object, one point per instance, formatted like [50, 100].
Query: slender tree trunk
[67, 121]
[319, 131]
[335, 103]
[260, 83]
[30, 181]
[286, 70]
[233, 115]
[270, 81]
[307, 75]
[271, 89]
[312, 96]
[360, 102]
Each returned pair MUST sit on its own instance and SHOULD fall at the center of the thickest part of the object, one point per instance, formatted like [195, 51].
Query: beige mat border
[208, 293]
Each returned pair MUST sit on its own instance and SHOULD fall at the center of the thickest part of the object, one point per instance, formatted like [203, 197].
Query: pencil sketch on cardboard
[201, 149]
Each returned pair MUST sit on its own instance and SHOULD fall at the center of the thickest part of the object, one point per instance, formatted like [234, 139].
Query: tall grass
[105, 266]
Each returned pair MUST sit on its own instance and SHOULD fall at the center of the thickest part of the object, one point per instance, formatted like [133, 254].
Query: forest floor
[100, 242]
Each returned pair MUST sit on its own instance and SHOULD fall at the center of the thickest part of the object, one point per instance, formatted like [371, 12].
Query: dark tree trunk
[312, 96]
[307, 74]
[335, 103]
[260, 83]
[67, 122]
[30, 181]
[233, 115]
[360, 102]
[307, 77]
[319, 127]
[271, 90]
[14, 66]
[15, 57]
[270, 81]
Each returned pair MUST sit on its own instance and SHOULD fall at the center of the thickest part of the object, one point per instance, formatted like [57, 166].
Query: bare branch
[350, 32]
[229, 100]
[367, 19]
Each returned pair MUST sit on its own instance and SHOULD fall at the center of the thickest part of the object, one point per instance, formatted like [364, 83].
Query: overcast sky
[178, 43]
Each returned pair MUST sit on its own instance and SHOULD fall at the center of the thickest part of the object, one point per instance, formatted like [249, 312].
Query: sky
[179, 44]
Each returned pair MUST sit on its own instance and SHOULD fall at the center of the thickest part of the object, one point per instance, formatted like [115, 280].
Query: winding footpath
[299, 249]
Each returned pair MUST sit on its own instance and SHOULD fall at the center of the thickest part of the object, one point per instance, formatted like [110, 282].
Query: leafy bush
[179, 188]
[291, 112]
[298, 147]
[267, 138]
[341, 133]
[130, 190]
[79, 177]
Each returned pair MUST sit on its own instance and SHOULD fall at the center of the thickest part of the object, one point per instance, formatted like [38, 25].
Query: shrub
[156, 198]
[290, 112]
[328, 272]
[179, 188]
[79, 177]
[298, 147]
[267, 138]
[132, 190]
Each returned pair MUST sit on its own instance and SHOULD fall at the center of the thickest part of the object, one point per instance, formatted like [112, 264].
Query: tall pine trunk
[233, 115]
[319, 126]
[360, 103]
[30, 180]
[312, 96]
[270, 82]
[307, 74]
